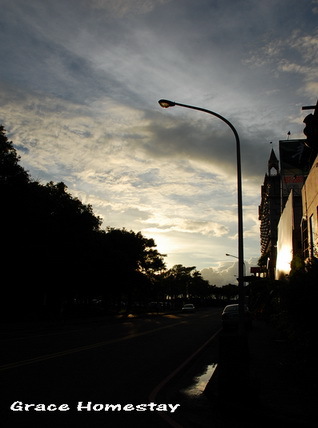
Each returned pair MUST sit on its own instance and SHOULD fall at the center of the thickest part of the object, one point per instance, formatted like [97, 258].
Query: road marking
[162, 384]
[83, 348]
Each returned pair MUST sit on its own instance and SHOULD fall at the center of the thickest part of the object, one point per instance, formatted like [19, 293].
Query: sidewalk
[287, 392]
[278, 391]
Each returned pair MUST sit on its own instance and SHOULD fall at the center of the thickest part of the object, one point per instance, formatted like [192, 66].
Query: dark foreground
[146, 367]
[279, 392]
[98, 373]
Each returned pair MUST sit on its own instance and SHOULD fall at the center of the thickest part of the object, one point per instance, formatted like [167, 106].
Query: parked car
[189, 307]
[230, 316]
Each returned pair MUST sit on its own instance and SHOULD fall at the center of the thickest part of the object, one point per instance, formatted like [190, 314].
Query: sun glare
[284, 258]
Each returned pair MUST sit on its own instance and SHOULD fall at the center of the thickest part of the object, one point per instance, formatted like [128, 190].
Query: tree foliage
[55, 251]
[186, 283]
[11, 172]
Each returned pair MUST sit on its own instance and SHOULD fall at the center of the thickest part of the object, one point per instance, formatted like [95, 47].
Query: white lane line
[82, 348]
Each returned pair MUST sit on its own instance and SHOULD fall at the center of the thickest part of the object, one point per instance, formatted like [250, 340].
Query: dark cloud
[209, 142]
[80, 83]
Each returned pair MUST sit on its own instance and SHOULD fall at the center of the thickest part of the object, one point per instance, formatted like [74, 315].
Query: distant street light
[230, 255]
[168, 103]
[244, 267]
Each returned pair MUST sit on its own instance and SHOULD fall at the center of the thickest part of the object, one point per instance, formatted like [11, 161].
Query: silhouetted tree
[10, 170]
[199, 288]
[132, 262]
[47, 236]
[14, 181]
[178, 281]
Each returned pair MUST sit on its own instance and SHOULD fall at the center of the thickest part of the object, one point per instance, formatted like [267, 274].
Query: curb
[177, 372]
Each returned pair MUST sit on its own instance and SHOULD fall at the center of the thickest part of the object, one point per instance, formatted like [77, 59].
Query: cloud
[79, 92]
[296, 53]
[123, 7]
[207, 228]
[226, 272]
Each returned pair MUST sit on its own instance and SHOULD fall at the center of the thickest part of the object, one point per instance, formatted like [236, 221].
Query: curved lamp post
[244, 267]
[166, 104]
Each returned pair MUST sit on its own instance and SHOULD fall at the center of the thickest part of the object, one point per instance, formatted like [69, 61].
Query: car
[230, 316]
[189, 307]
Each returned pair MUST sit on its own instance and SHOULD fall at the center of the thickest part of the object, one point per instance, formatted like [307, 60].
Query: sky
[80, 82]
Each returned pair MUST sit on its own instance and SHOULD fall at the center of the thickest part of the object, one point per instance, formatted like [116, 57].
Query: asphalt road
[90, 365]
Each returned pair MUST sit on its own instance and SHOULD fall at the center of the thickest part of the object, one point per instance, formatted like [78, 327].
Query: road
[100, 362]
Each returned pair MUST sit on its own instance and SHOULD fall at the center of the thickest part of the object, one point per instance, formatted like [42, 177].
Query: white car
[230, 316]
[189, 307]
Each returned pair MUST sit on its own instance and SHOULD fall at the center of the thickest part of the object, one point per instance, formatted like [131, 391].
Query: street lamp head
[231, 255]
[166, 103]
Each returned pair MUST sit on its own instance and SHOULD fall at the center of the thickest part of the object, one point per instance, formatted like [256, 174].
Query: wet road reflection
[200, 381]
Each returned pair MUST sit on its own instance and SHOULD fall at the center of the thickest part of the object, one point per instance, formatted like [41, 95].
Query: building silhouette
[269, 213]
[288, 211]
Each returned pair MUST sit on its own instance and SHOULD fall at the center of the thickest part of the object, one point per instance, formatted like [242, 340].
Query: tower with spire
[273, 163]
[269, 214]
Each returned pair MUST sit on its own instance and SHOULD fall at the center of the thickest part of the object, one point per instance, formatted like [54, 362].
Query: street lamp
[244, 267]
[231, 255]
[168, 103]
